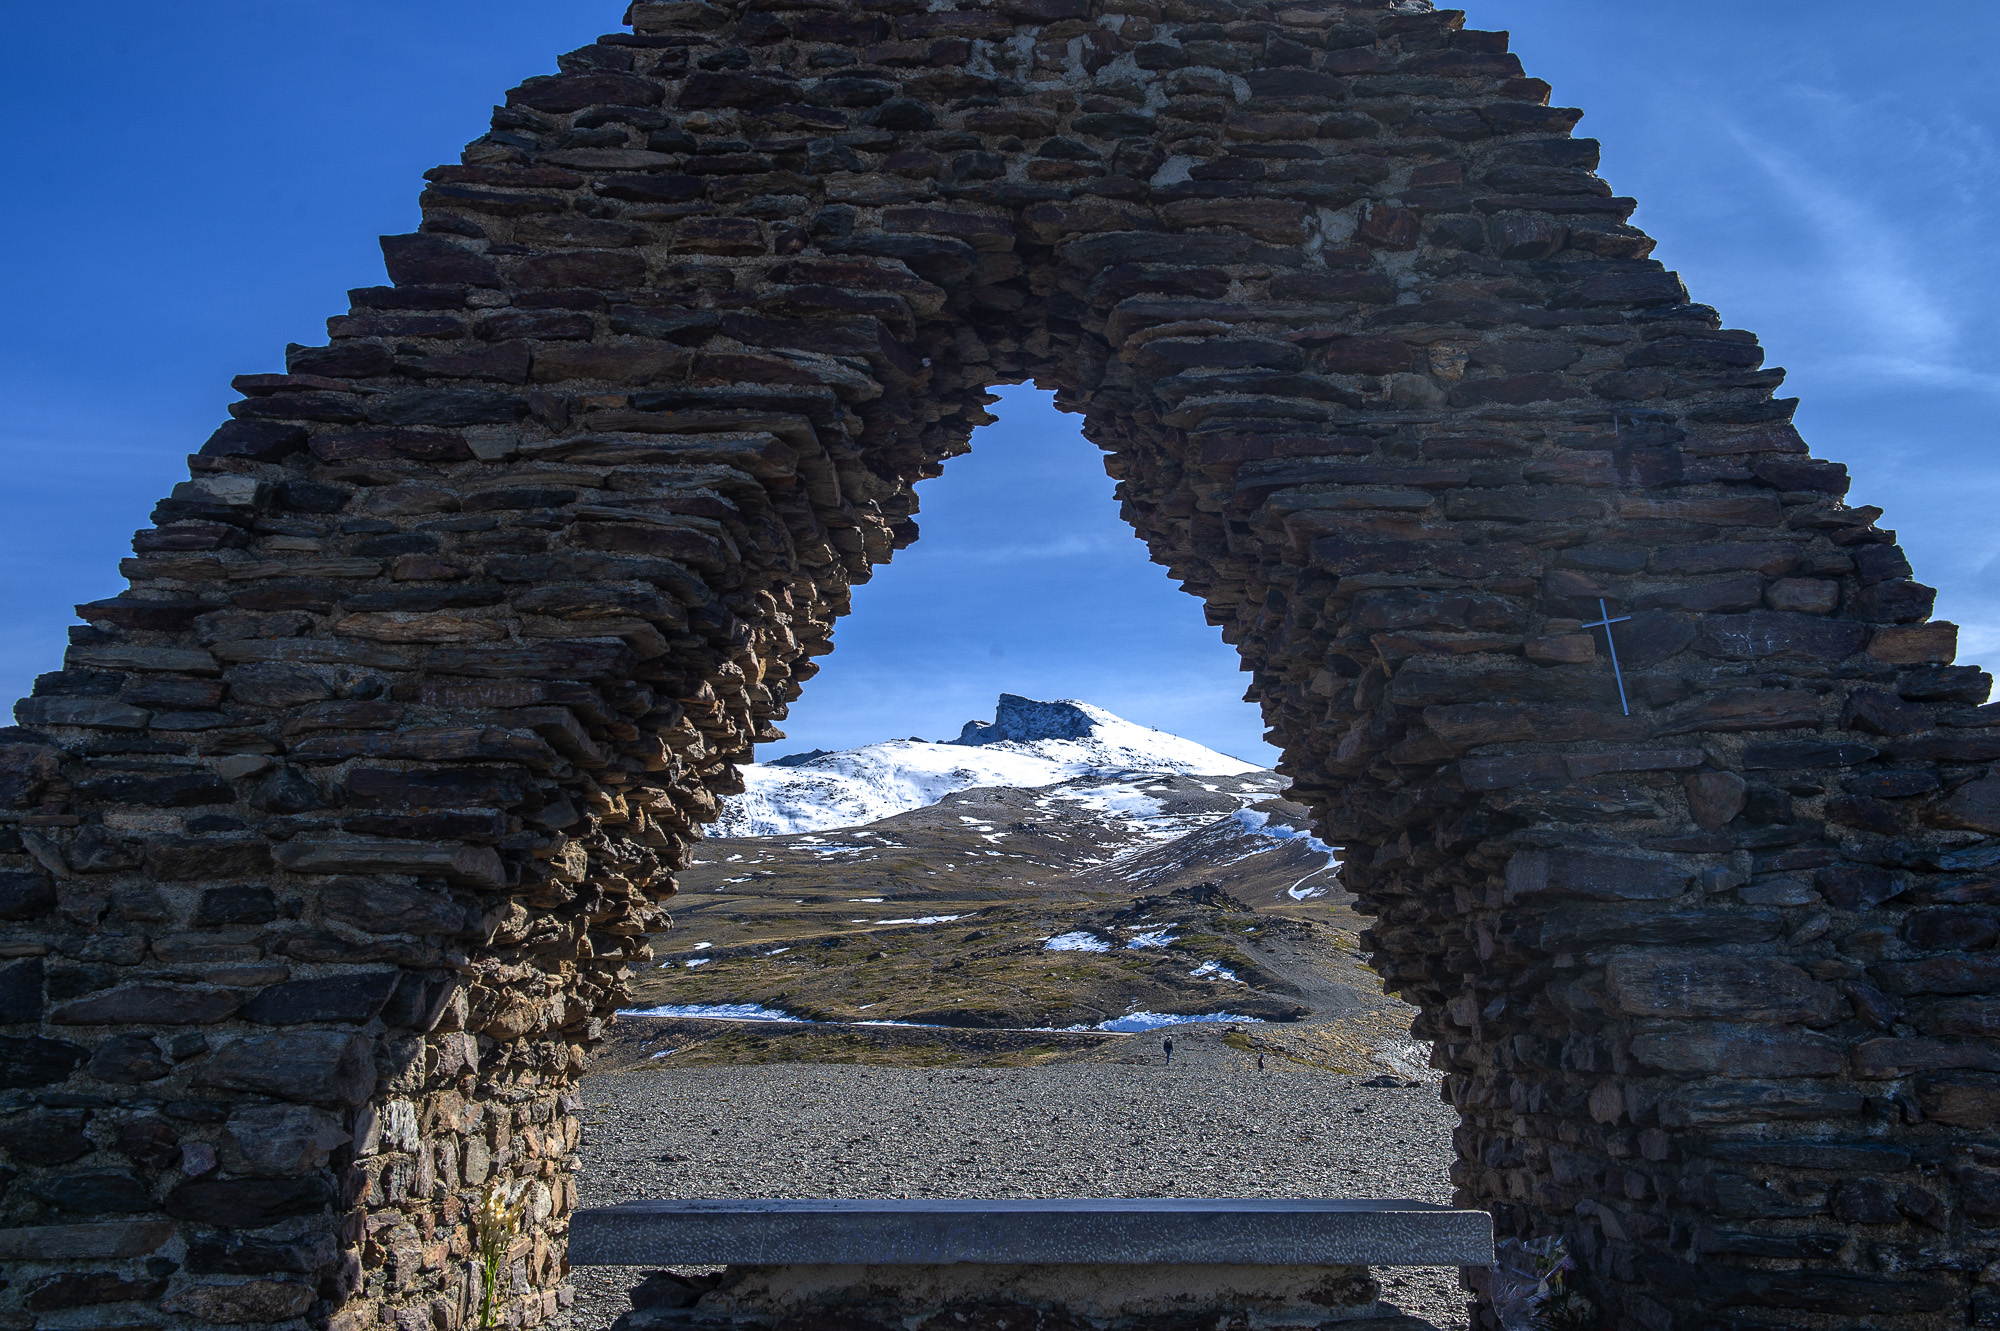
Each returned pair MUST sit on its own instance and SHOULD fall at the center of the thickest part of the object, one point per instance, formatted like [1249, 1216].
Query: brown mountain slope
[1097, 903]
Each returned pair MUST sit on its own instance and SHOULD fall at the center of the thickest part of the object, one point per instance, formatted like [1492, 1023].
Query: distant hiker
[1168, 1045]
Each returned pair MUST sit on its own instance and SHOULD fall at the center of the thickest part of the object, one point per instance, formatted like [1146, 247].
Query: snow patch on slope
[1028, 744]
[1257, 822]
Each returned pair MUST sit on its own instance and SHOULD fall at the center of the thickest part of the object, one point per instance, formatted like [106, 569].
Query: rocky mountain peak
[1024, 720]
[1029, 744]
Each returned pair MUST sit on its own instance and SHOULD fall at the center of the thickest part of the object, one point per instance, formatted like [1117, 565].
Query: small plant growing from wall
[1554, 1305]
[1566, 1310]
[497, 1221]
[1532, 1288]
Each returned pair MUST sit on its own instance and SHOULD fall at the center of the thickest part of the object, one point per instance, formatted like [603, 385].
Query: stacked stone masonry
[328, 850]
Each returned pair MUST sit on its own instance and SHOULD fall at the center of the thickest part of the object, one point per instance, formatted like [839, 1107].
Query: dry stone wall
[327, 851]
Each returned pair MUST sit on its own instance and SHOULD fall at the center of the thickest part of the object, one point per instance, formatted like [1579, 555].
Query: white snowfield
[1029, 744]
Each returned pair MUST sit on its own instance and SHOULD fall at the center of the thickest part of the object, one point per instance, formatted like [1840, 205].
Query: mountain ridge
[1028, 744]
[1094, 888]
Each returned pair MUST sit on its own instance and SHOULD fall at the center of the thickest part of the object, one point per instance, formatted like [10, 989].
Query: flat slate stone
[1066, 1231]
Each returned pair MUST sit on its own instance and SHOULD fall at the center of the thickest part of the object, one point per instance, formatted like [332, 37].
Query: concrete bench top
[1065, 1231]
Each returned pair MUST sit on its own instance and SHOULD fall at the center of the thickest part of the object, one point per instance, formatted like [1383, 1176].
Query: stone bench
[1100, 1263]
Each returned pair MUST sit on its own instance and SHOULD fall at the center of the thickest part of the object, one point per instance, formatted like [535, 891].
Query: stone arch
[326, 850]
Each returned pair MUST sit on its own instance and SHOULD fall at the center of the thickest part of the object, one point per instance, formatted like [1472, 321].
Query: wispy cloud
[1900, 314]
[1062, 547]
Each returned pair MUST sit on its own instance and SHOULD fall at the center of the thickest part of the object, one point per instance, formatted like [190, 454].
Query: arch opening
[893, 955]
[1025, 581]
[333, 841]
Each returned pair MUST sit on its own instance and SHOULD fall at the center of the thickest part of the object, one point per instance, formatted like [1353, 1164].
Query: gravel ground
[1210, 1125]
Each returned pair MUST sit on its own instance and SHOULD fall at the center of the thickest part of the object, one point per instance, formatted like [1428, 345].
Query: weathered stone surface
[26, 896]
[1472, 724]
[1951, 928]
[129, 1060]
[1748, 709]
[1880, 713]
[1770, 558]
[1974, 1017]
[1698, 985]
[1724, 1102]
[1975, 805]
[319, 1067]
[44, 1139]
[387, 908]
[100, 712]
[1598, 876]
[1901, 1057]
[1772, 754]
[1762, 635]
[1940, 975]
[1717, 1049]
[475, 865]
[1580, 927]
[88, 1289]
[27, 1061]
[239, 1301]
[247, 1203]
[187, 859]
[1714, 798]
[153, 1004]
[21, 991]
[176, 791]
[1845, 1295]
[357, 997]
[96, 1192]
[94, 1242]
[236, 905]
[1804, 596]
[418, 259]
[279, 1141]
[1915, 644]
[247, 1255]
[1963, 1100]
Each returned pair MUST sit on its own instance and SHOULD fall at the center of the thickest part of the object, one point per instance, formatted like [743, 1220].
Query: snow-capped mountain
[1058, 867]
[1028, 744]
[1091, 901]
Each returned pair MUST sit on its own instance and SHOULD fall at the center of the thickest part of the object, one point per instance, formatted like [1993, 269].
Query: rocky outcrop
[1024, 720]
[1027, 744]
[327, 848]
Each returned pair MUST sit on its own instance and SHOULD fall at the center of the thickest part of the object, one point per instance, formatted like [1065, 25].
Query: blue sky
[196, 185]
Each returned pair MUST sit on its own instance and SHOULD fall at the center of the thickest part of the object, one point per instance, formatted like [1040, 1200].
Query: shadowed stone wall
[327, 850]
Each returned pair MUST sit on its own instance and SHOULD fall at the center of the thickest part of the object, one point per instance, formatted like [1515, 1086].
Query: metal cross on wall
[1605, 621]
